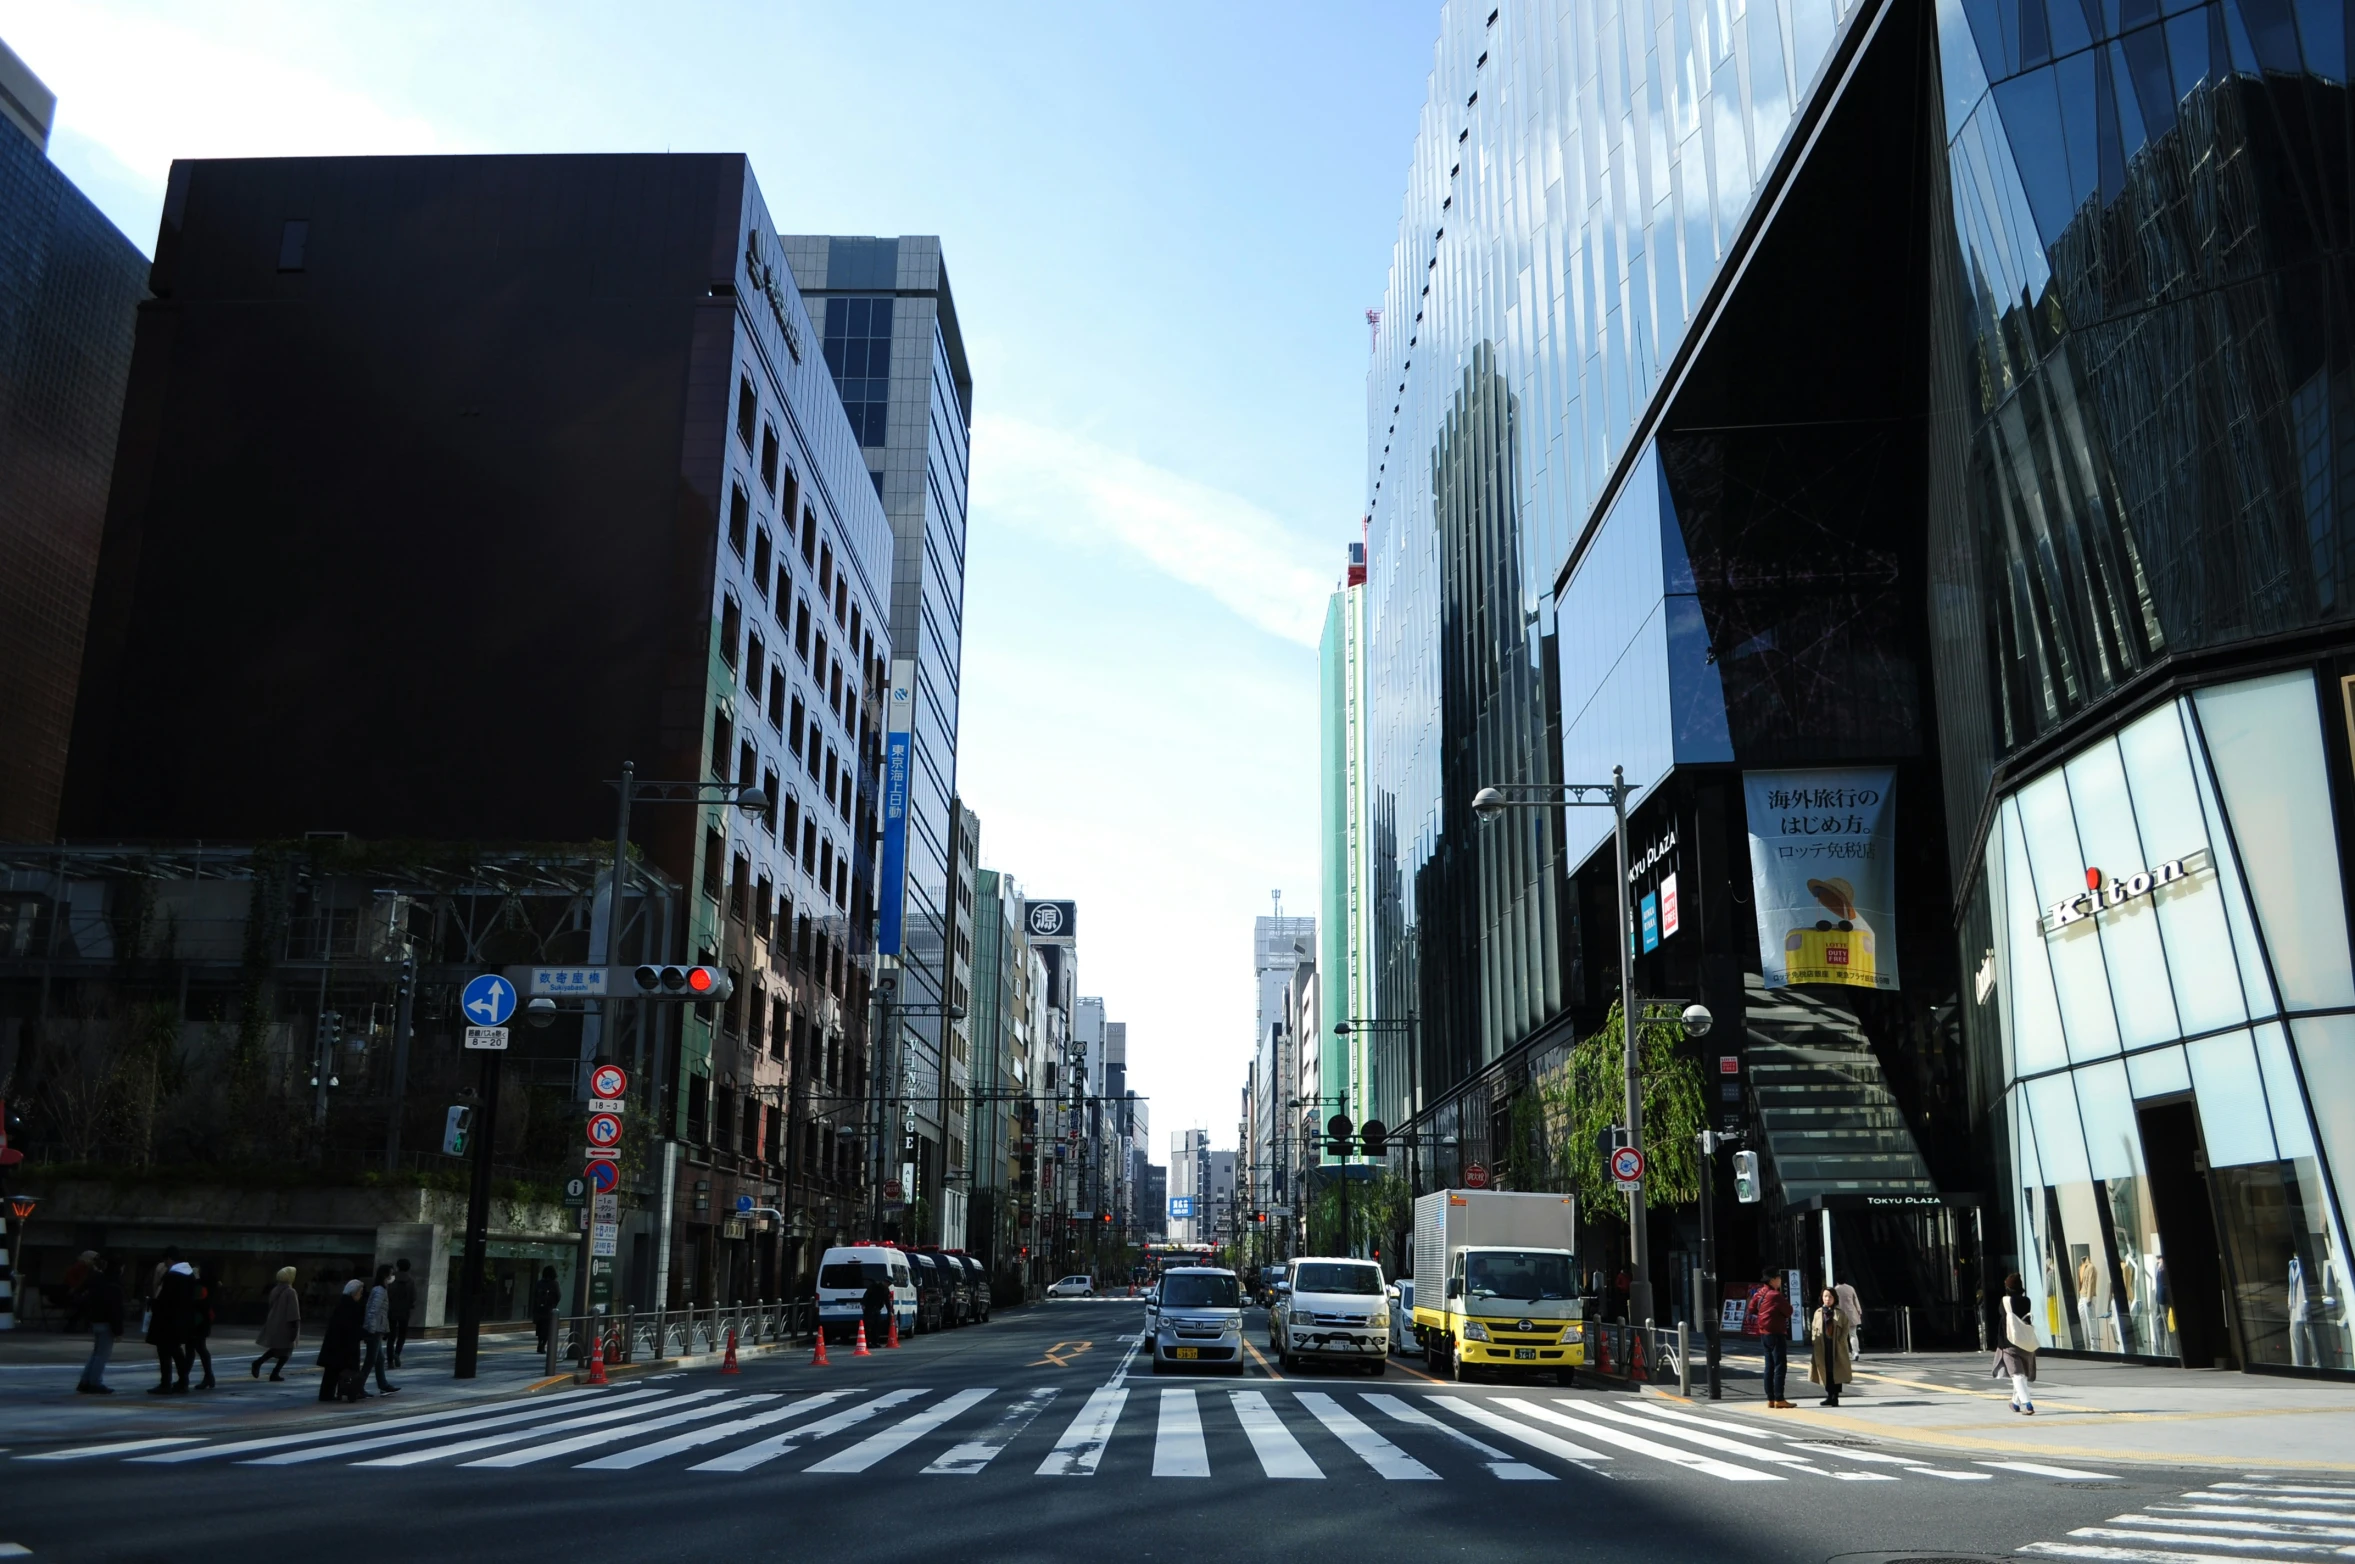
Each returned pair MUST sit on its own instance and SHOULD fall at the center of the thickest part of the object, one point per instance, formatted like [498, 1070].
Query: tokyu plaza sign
[2114, 893]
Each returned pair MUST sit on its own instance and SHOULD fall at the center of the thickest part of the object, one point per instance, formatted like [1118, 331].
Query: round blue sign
[488, 1001]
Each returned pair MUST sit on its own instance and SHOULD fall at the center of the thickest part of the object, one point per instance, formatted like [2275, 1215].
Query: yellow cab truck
[1496, 1283]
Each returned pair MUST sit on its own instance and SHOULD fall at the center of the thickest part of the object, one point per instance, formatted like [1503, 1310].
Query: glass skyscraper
[1914, 441]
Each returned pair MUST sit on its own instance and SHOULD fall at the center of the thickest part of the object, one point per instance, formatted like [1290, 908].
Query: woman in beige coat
[281, 1326]
[1832, 1367]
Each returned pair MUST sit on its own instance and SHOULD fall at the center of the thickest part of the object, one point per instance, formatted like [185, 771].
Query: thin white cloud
[1058, 483]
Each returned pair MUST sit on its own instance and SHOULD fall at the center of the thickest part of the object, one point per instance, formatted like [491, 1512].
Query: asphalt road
[1039, 1436]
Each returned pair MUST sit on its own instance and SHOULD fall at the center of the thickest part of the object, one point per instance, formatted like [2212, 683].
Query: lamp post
[1490, 802]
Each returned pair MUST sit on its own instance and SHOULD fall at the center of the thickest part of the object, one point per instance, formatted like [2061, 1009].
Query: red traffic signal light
[695, 984]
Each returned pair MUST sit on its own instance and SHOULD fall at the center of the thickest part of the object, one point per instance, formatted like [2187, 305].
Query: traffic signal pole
[478, 1219]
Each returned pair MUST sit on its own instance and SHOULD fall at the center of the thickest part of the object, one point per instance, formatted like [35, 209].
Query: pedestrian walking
[2017, 1355]
[401, 1294]
[1830, 1366]
[200, 1323]
[280, 1327]
[375, 1326]
[168, 1321]
[1771, 1309]
[1852, 1310]
[102, 1306]
[339, 1348]
[876, 1304]
[546, 1295]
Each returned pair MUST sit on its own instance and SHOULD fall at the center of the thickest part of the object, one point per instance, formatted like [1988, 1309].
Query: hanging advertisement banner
[899, 724]
[1823, 867]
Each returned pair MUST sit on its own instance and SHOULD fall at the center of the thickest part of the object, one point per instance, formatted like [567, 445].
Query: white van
[845, 1274]
[1337, 1310]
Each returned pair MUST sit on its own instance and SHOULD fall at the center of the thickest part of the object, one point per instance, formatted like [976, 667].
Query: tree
[1587, 1094]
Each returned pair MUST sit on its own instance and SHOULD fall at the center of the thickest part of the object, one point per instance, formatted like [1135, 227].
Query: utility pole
[478, 1217]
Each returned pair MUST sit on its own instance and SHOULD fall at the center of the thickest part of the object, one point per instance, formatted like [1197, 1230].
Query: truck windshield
[1360, 1279]
[855, 1274]
[1510, 1273]
[1200, 1292]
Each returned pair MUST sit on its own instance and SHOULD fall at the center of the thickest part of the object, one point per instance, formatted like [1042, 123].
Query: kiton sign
[2103, 895]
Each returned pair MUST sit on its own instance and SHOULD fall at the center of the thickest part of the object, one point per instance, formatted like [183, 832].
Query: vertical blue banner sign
[898, 737]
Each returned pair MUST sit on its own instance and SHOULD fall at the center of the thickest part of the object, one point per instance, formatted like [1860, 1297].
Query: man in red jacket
[1770, 1313]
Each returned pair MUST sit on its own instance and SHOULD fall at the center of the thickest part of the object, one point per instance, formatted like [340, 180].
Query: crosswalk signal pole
[478, 1219]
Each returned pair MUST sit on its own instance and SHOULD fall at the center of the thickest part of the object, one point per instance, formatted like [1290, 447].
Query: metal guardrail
[1642, 1354]
[634, 1337]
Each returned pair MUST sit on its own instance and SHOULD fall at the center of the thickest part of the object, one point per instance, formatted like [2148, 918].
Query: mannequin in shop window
[2089, 1278]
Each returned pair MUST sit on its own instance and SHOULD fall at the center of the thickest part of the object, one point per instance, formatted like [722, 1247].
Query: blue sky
[1164, 225]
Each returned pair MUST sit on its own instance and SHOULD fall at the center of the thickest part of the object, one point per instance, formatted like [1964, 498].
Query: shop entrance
[2193, 1287]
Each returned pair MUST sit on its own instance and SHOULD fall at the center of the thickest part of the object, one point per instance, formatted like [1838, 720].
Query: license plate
[1529, 1353]
[1188, 1352]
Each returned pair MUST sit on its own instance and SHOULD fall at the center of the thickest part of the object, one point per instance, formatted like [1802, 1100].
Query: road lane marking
[1055, 1354]
[1497, 1461]
[2241, 1546]
[478, 1416]
[2066, 1473]
[493, 1441]
[1695, 1436]
[1081, 1448]
[1724, 1471]
[900, 1435]
[968, 1459]
[119, 1447]
[1178, 1450]
[677, 1444]
[1394, 1464]
[1512, 1428]
[2252, 1528]
[775, 1445]
[353, 1441]
[1280, 1455]
[605, 1436]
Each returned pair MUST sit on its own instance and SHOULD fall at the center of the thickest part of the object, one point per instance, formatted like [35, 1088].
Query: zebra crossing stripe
[2064, 1473]
[472, 1416]
[1709, 1464]
[2251, 1511]
[775, 1445]
[2240, 1545]
[2088, 1550]
[515, 1435]
[899, 1436]
[1497, 1461]
[630, 1460]
[969, 1458]
[1280, 1455]
[1077, 1453]
[1394, 1464]
[1178, 1450]
[605, 1436]
[1653, 1409]
[350, 1446]
[1695, 1436]
[2250, 1528]
[1512, 1428]
[2309, 1492]
[118, 1447]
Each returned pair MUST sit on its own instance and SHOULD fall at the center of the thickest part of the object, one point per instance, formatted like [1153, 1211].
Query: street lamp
[1490, 802]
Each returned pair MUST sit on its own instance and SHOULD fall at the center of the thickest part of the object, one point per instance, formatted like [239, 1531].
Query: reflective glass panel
[2113, 1144]
[2190, 915]
[2161, 1072]
[2036, 1018]
[2293, 1136]
[2129, 932]
[2060, 1142]
[2080, 979]
[2233, 1122]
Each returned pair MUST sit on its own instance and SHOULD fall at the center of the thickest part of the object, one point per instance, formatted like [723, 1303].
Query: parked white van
[845, 1274]
[1338, 1310]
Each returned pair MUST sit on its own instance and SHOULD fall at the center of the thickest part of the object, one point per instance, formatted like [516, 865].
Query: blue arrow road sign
[489, 1000]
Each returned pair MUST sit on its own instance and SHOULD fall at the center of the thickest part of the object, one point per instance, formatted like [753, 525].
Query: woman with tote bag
[2017, 1355]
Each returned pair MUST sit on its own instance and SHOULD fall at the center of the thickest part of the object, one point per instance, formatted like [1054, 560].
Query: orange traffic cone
[597, 1359]
[1635, 1362]
[861, 1350]
[728, 1363]
[818, 1358]
[892, 1340]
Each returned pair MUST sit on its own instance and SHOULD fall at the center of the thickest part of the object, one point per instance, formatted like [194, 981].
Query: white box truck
[1496, 1283]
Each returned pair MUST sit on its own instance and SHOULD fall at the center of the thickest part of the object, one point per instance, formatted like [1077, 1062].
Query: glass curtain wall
[2178, 1032]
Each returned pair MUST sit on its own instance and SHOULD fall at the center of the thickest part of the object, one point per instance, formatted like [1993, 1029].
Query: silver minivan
[1196, 1320]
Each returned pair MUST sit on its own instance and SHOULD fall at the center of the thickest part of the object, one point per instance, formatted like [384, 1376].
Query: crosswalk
[2258, 1516]
[1279, 1432]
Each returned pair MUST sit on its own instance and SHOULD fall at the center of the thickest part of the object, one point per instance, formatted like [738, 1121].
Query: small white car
[1337, 1311]
[1072, 1287]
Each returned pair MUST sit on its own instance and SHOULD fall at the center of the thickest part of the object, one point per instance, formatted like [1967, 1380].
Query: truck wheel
[1453, 1369]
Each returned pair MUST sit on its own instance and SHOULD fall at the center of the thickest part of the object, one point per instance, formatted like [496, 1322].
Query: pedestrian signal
[454, 1132]
[1746, 1177]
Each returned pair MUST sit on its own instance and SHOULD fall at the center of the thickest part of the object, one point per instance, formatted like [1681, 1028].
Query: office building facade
[892, 343]
[362, 380]
[1278, 945]
[70, 287]
[1975, 652]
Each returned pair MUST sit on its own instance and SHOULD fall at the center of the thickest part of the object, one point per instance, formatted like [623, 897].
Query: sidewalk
[2085, 1411]
[39, 1405]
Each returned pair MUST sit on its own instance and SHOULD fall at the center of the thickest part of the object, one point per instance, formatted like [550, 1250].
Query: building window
[825, 569]
[715, 848]
[723, 739]
[809, 843]
[801, 630]
[842, 600]
[739, 893]
[770, 788]
[293, 239]
[731, 628]
[815, 746]
[793, 733]
[755, 661]
[777, 698]
[855, 634]
[768, 457]
[826, 863]
[739, 517]
[747, 410]
[763, 893]
[818, 653]
[809, 538]
[834, 687]
[858, 353]
[760, 561]
[792, 826]
[747, 765]
[789, 506]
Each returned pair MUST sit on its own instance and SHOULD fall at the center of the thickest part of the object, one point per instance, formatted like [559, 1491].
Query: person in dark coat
[1828, 1329]
[546, 1295]
[401, 1298]
[170, 1316]
[339, 1349]
[2015, 1355]
[200, 1322]
[1770, 1311]
[877, 1302]
[280, 1327]
[101, 1304]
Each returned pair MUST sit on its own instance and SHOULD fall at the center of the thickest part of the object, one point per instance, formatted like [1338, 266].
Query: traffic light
[1337, 1130]
[694, 984]
[454, 1132]
[1746, 1177]
[1377, 1138]
[330, 1028]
